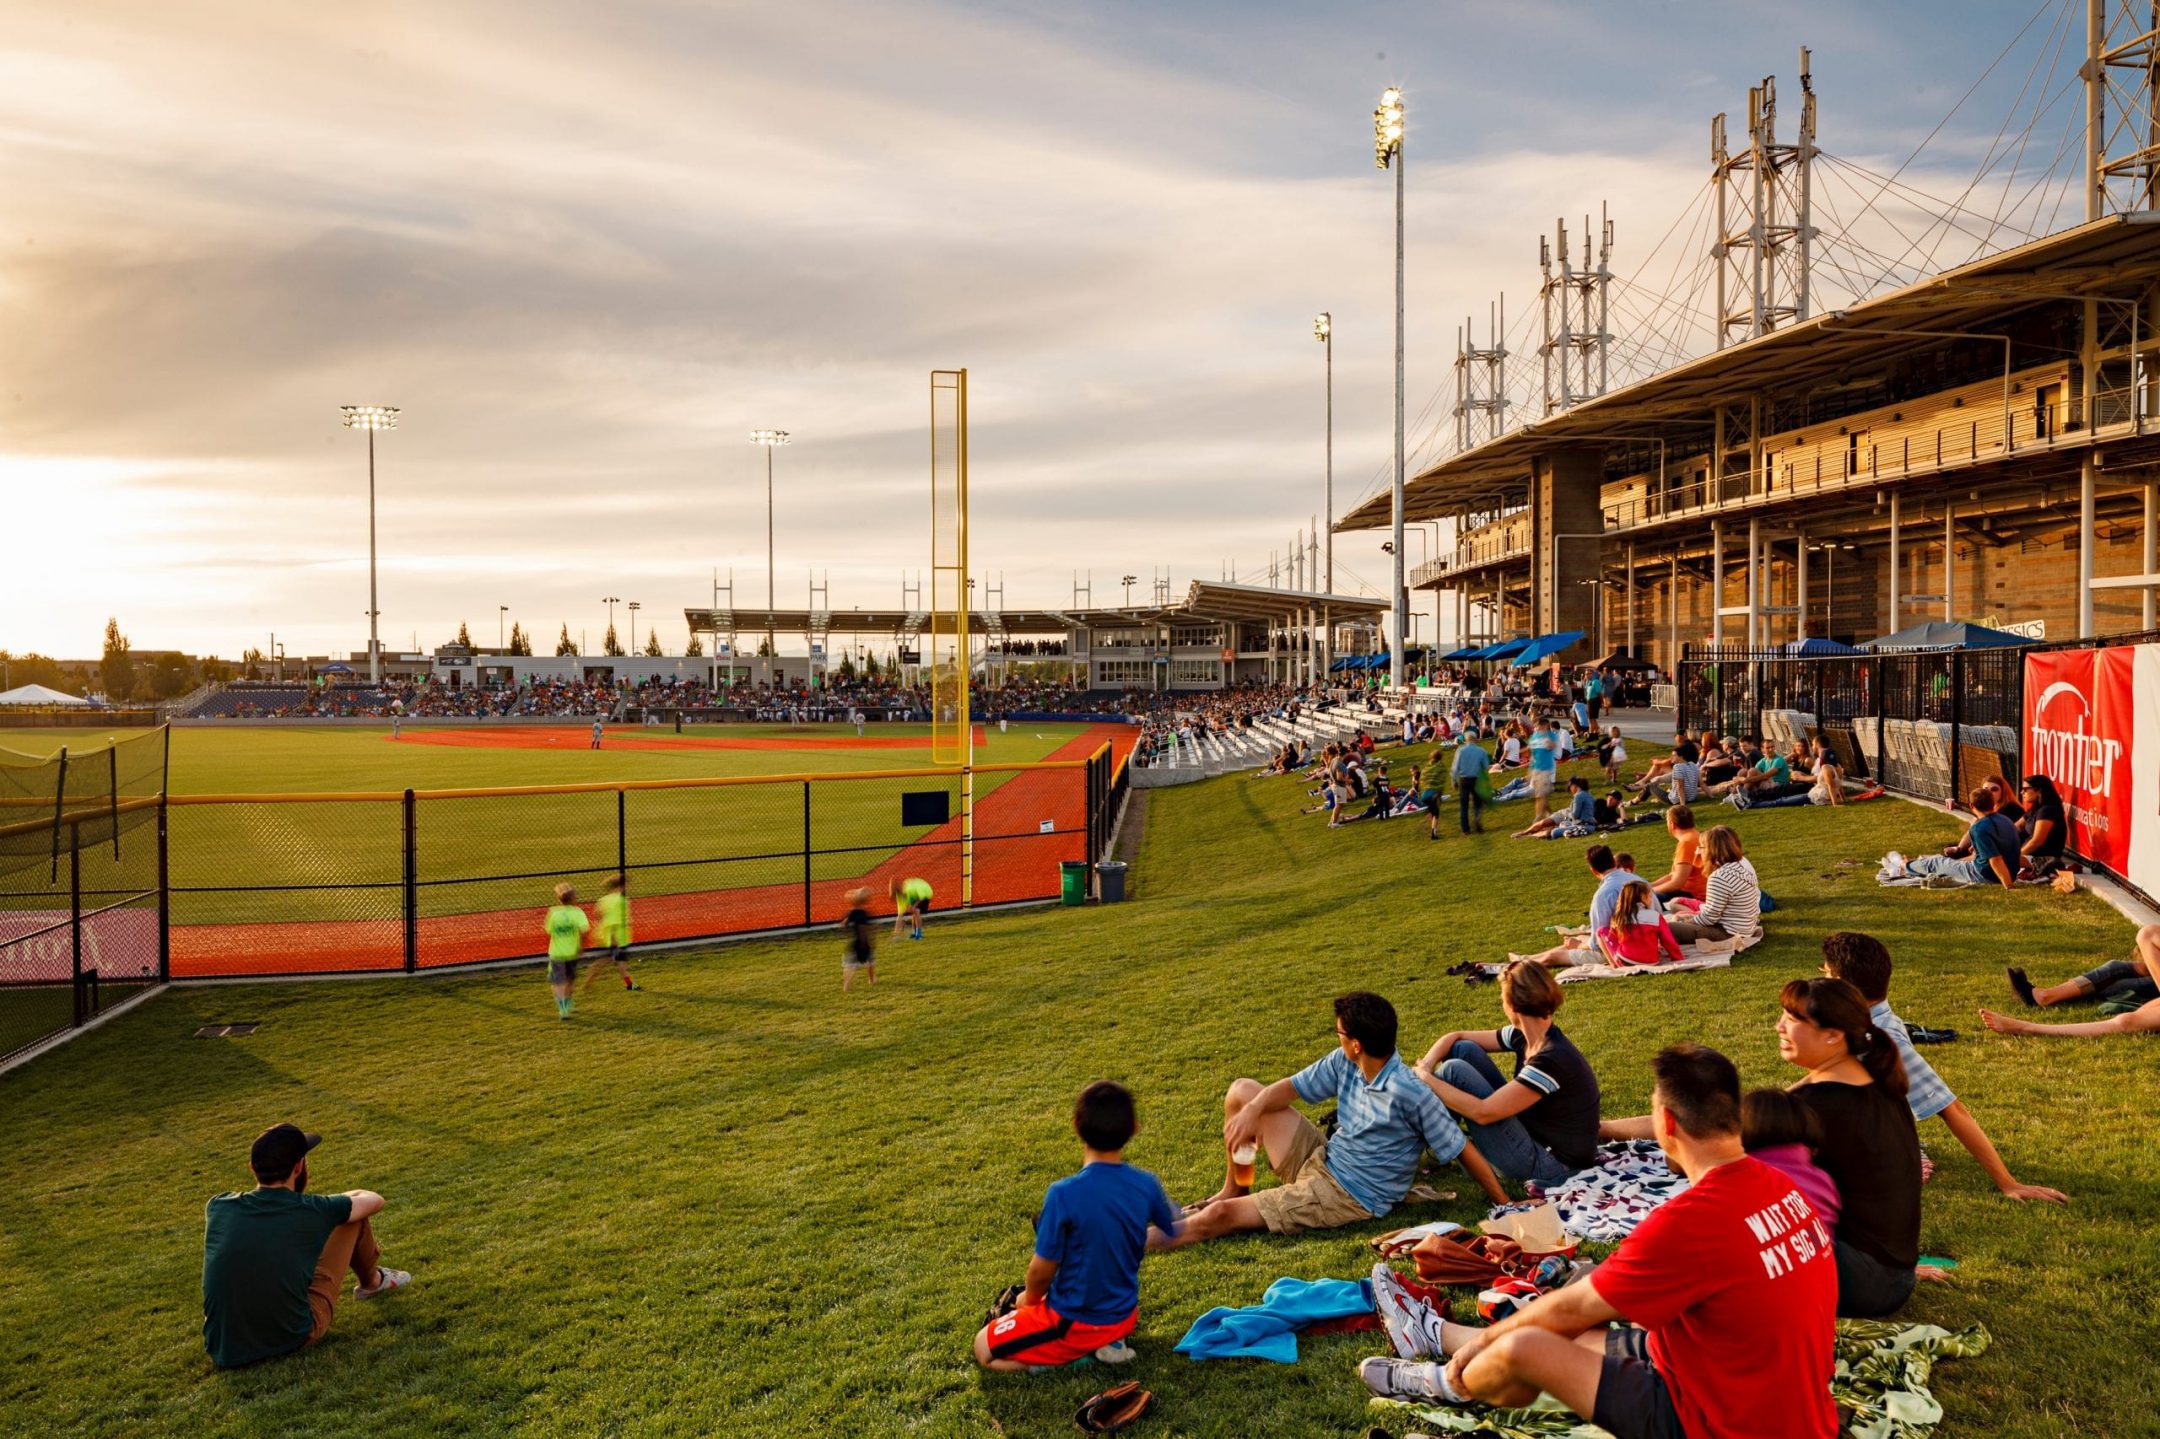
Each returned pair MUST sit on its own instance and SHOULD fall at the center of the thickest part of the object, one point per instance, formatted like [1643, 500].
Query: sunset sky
[588, 247]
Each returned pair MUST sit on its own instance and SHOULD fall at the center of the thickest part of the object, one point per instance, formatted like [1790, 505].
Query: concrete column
[1800, 586]
[1949, 561]
[2151, 532]
[1897, 567]
[1631, 592]
[1717, 582]
[2088, 485]
[1672, 645]
[1754, 584]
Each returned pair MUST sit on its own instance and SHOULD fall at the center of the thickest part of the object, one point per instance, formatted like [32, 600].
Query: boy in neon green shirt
[566, 926]
[911, 901]
[613, 909]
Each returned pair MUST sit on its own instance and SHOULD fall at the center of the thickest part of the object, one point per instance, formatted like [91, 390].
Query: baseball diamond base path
[630, 736]
[1014, 860]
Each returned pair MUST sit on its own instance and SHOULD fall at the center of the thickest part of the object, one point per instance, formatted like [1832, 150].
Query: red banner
[2080, 718]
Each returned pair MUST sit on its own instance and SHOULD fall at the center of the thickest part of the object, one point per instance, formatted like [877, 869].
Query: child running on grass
[911, 901]
[1083, 1283]
[613, 909]
[566, 927]
[861, 952]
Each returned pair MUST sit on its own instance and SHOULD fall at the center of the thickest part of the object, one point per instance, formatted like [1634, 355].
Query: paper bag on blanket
[1536, 1229]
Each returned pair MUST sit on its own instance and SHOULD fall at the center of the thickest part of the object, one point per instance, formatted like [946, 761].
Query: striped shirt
[1732, 900]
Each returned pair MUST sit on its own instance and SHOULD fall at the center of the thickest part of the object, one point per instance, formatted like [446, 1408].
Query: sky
[587, 248]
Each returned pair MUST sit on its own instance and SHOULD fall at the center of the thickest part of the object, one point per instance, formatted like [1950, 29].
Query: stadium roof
[2098, 259]
[1206, 601]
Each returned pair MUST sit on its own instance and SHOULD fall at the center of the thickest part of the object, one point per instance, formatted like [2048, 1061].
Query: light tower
[371, 418]
[1388, 154]
[1323, 328]
[769, 440]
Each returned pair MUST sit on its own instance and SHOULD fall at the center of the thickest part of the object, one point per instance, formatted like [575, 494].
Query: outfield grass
[707, 839]
[739, 1203]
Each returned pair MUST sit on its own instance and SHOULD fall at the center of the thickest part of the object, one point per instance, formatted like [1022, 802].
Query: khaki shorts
[1308, 1197]
[1541, 781]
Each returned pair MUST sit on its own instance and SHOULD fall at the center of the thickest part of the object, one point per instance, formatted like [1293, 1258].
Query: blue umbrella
[1546, 645]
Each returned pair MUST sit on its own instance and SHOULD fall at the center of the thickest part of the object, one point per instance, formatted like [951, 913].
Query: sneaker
[1118, 1353]
[1407, 1379]
[385, 1281]
[1412, 1325]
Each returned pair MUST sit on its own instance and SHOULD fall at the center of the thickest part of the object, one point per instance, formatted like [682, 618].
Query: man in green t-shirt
[275, 1257]
[911, 901]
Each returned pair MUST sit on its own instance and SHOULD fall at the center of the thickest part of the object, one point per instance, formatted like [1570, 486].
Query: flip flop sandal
[1114, 1409]
[1921, 1034]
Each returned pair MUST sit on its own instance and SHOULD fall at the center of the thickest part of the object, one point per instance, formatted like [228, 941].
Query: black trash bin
[1110, 881]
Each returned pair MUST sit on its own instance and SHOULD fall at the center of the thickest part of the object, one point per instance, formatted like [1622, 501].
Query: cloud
[587, 248]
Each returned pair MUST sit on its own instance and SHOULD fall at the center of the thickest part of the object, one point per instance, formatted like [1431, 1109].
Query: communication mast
[1764, 231]
[1481, 380]
[1578, 351]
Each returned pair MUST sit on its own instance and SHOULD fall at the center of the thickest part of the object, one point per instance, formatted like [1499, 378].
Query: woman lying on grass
[2137, 979]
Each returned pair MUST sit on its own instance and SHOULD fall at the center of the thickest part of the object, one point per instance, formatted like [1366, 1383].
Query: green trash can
[1072, 875]
[1110, 881]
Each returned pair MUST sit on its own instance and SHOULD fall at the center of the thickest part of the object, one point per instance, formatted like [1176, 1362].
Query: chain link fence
[309, 884]
[82, 854]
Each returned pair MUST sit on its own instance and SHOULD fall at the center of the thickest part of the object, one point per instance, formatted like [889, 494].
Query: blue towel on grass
[1269, 1329]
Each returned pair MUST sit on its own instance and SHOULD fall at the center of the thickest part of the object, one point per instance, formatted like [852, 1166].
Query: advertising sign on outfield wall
[2089, 714]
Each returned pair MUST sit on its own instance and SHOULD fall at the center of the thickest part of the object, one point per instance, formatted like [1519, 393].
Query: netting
[79, 884]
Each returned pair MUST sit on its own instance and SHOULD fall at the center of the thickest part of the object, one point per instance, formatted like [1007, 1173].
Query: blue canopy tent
[1947, 635]
[1465, 653]
[1815, 647]
[336, 668]
[1498, 651]
[1546, 645]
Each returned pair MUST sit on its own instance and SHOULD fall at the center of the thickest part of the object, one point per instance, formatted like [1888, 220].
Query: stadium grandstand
[1865, 437]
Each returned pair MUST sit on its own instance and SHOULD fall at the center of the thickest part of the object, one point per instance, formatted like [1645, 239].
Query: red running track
[1023, 866]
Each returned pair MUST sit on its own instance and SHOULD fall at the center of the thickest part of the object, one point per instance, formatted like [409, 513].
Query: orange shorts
[1038, 1334]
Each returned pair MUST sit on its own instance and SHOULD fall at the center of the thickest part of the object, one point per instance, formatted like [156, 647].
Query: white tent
[37, 695]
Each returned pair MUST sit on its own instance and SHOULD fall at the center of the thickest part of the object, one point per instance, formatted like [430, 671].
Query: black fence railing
[1932, 724]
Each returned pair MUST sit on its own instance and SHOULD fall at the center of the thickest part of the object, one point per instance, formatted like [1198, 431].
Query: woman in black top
[1542, 1124]
[2043, 827]
[1855, 1086]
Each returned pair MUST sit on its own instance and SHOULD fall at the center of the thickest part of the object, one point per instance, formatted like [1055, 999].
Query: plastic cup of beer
[1241, 1163]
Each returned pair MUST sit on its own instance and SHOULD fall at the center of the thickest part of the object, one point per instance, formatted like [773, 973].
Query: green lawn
[737, 1203]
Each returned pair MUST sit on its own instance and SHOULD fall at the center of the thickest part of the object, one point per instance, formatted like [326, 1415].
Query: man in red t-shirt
[1732, 1280]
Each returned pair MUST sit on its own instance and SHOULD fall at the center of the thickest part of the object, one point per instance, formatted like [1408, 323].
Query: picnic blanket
[1605, 1202]
[1722, 959]
[1880, 1384]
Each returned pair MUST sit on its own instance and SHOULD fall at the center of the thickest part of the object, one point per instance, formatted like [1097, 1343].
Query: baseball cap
[277, 1149]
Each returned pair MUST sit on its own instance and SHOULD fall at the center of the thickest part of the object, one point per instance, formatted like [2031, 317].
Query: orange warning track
[1013, 861]
[633, 737]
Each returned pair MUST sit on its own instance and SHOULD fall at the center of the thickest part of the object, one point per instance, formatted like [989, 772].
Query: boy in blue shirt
[1083, 1285]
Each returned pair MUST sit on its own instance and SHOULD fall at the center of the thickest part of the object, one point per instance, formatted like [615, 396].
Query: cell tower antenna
[1577, 351]
[1481, 380]
[1765, 220]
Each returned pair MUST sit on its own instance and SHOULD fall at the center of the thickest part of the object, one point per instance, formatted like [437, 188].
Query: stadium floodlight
[1323, 328]
[610, 601]
[1388, 155]
[371, 418]
[634, 608]
[770, 440]
[1129, 581]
